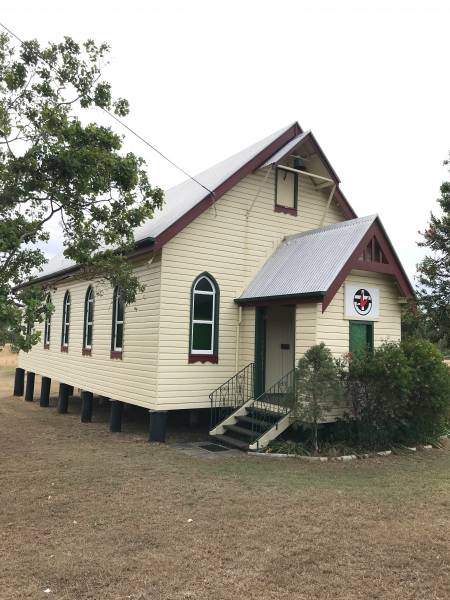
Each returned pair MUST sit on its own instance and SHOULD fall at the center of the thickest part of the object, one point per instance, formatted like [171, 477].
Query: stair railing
[274, 403]
[232, 394]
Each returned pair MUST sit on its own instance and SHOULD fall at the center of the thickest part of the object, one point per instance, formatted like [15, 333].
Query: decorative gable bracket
[374, 253]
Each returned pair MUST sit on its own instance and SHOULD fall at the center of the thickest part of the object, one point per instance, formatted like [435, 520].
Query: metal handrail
[232, 394]
[274, 403]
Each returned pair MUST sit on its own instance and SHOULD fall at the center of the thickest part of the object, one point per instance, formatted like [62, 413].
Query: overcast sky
[207, 78]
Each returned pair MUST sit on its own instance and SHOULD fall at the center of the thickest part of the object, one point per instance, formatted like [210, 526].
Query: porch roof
[307, 264]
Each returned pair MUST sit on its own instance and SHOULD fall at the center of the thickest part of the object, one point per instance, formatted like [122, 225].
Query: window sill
[116, 354]
[211, 358]
[46, 346]
[64, 348]
[87, 351]
[286, 209]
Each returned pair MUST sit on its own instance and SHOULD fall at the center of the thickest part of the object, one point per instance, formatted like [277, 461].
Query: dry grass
[7, 358]
[104, 516]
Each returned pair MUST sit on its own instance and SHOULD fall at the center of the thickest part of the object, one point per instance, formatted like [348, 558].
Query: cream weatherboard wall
[131, 379]
[306, 317]
[332, 328]
[230, 241]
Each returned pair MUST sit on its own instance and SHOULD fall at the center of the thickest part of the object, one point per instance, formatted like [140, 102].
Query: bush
[317, 387]
[397, 394]
[429, 398]
[378, 385]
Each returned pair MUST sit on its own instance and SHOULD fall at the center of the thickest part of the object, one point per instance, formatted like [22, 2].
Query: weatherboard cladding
[308, 263]
[181, 198]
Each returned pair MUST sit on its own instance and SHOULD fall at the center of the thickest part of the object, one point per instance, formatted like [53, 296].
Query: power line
[116, 118]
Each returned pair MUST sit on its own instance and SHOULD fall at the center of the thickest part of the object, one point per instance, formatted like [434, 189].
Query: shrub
[397, 394]
[378, 385]
[429, 398]
[317, 387]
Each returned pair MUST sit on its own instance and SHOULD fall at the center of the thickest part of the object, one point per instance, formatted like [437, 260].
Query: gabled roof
[311, 264]
[187, 200]
[284, 151]
[298, 141]
[181, 198]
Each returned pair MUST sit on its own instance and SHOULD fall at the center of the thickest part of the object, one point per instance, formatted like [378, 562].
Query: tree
[52, 166]
[434, 272]
[318, 387]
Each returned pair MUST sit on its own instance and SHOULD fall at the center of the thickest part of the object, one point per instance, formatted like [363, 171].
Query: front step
[245, 429]
[231, 441]
[257, 421]
[240, 431]
[263, 415]
[253, 421]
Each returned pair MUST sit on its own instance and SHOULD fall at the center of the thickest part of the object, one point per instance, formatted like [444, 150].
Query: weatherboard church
[238, 285]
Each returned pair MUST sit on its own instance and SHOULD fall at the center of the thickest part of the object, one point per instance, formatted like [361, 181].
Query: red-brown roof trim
[394, 266]
[224, 187]
[245, 170]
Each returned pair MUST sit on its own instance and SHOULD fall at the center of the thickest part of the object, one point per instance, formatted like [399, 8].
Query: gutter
[307, 296]
[141, 247]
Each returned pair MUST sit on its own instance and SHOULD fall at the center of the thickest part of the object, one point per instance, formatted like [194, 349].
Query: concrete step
[231, 441]
[264, 414]
[253, 421]
[241, 431]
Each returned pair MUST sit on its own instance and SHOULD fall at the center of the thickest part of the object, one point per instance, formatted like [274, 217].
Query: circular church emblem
[362, 301]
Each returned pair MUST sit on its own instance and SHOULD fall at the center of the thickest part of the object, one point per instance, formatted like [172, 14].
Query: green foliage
[414, 323]
[428, 406]
[288, 447]
[53, 166]
[434, 271]
[398, 394]
[377, 385]
[317, 388]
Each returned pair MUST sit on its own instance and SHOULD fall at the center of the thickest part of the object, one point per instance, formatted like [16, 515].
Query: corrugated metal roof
[285, 150]
[179, 199]
[184, 196]
[309, 262]
[55, 265]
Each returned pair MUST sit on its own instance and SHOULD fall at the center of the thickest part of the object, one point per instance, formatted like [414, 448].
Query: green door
[260, 351]
[361, 336]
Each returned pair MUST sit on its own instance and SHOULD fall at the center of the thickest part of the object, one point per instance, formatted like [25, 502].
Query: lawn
[89, 514]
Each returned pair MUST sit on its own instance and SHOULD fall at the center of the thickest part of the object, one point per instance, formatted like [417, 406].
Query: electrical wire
[116, 118]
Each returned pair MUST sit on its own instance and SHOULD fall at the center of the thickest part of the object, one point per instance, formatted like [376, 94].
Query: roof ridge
[332, 226]
[242, 151]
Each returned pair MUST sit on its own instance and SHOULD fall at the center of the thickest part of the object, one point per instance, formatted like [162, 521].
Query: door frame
[261, 316]
[260, 350]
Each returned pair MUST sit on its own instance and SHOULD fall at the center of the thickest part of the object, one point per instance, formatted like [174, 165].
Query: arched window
[204, 319]
[117, 325]
[65, 322]
[88, 320]
[47, 324]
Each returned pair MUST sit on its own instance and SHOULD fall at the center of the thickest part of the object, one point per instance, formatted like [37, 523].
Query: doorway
[274, 345]
[361, 336]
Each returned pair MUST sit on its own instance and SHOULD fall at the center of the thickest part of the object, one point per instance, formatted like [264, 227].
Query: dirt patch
[89, 514]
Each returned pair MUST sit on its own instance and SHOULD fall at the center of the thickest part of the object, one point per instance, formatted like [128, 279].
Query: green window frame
[88, 328]
[118, 320]
[279, 207]
[65, 322]
[204, 319]
[361, 332]
[47, 322]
